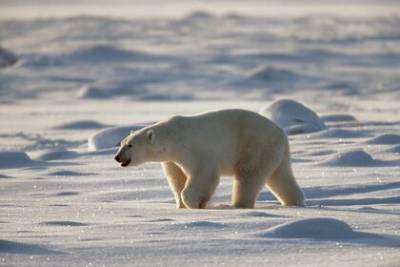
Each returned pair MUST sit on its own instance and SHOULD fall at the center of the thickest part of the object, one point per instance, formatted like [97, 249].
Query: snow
[76, 77]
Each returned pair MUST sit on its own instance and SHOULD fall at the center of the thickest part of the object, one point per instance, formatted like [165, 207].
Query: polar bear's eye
[129, 145]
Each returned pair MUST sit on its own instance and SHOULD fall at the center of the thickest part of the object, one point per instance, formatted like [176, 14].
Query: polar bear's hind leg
[245, 191]
[284, 187]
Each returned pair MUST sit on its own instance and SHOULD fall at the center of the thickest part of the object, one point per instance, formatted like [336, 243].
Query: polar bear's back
[227, 135]
[235, 121]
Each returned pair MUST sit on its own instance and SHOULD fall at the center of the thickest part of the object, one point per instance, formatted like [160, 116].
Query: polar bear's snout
[124, 162]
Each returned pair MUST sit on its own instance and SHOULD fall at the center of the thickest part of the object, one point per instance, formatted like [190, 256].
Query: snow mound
[293, 117]
[315, 228]
[110, 137]
[81, 125]
[7, 58]
[356, 158]
[338, 118]
[385, 139]
[273, 74]
[90, 92]
[14, 159]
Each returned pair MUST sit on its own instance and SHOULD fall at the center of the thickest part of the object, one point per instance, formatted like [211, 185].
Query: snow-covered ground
[65, 77]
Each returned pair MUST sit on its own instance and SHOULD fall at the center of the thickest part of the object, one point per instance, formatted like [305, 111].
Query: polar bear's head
[140, 147]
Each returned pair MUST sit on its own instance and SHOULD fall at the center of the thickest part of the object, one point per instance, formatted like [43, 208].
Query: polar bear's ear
[150, 136]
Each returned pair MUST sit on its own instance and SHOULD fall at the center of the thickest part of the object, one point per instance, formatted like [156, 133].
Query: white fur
[196, 150]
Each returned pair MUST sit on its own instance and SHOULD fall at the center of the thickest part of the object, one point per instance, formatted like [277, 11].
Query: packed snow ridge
[293, 117]
[111, 137]
[315, 228]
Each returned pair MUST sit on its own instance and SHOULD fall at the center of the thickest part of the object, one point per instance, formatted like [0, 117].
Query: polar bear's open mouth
[125, 163]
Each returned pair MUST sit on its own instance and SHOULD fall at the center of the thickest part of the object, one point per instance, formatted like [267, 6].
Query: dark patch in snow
[66, 194]
[15, 159]
[343, 190]
[69, 173]
[107, 53]
[14, 247]
[339, 133]
[198, 224]
[258, 214]
[162, 220]
[395, 149]
[354, 201]
[64, 223]
[269, 74]
[7, 58]
[338, 118]
[385, 139]
[135, 216]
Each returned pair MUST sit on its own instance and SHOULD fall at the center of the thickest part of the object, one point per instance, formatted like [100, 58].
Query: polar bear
[196, 150]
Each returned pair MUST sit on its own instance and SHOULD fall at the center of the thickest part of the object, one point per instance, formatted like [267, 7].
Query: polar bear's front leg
[176, 180]
[200, 187]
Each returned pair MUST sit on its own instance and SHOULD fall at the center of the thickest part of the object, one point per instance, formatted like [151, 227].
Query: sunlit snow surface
[70, 85]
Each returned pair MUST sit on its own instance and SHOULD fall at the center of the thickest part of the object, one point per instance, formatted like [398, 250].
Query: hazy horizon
[22, 9]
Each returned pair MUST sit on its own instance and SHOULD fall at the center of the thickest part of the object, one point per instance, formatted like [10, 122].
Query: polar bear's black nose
[117, 158]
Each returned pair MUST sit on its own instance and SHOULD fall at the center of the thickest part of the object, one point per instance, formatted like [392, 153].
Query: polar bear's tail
[283, 184]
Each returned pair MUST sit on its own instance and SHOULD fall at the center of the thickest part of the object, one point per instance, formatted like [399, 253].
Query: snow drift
[293, 117]
[110, 137]
[315, 228]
